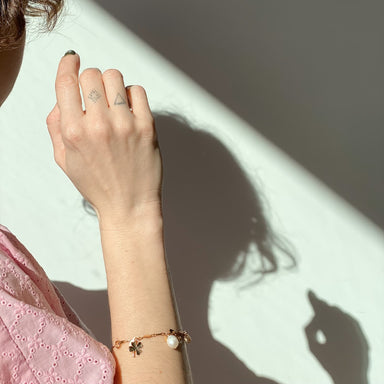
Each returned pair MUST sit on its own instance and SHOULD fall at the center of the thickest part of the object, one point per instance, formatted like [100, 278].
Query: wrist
[140, 219]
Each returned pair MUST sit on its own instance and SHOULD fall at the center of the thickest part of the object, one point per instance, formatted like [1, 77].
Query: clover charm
[135, 347]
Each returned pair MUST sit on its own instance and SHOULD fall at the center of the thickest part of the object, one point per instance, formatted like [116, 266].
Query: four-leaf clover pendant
[135, 347]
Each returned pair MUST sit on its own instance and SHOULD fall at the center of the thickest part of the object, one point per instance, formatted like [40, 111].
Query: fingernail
[70, 52]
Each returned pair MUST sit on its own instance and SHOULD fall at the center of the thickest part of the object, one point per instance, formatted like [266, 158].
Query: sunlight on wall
[339, 251]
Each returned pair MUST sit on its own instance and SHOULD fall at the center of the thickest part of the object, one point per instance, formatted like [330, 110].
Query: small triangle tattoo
[119, 100]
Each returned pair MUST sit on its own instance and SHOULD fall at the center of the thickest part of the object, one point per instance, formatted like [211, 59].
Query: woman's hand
[109, 151]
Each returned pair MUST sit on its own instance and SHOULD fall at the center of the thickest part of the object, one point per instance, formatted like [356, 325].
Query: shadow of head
[212, 212]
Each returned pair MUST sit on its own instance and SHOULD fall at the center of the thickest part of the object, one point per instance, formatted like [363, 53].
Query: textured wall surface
[255, 144]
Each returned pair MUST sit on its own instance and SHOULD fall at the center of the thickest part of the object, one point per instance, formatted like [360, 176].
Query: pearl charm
[172, 341]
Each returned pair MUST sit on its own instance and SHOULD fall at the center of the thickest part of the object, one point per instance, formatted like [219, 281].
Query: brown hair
[13, 14]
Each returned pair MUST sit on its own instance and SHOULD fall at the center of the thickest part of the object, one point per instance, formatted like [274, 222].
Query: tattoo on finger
[119, 100]
[94, 95]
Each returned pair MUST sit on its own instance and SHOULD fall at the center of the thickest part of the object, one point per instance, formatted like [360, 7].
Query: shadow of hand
[344, 351]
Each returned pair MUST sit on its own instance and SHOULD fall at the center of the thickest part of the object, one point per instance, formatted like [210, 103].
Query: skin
[10, 64]
[111, 154]
[107, 127]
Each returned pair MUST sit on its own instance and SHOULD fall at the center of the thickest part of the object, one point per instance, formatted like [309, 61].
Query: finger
[115, 90]
[319, 306]
[53, 124]
[67, 88]
[139, 102]
[91, 81]
[311, 331]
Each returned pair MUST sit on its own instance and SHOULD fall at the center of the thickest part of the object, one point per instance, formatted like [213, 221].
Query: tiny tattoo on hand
[119, 100]
[94, 96]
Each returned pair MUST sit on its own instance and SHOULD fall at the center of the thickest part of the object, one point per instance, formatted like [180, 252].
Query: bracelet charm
[174, 339]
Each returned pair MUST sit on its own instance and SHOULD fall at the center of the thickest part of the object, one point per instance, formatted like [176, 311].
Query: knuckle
[90, 73]
[101, 130]
[66, 80]
[112, 74]
[122, 123]
[146, 130]
[72, 135]
[124, 127]
[147, 121]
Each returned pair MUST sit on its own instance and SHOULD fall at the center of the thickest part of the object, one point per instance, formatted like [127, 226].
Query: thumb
[54, 129]
[311, 330]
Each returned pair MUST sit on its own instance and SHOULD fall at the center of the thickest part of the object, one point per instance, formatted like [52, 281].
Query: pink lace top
[41, 339]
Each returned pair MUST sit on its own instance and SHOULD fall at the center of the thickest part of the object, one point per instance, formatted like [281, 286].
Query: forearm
[111, 154]
[141, 302]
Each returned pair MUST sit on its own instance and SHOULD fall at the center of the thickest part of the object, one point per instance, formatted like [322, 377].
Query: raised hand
[109, 151]
[344, 352]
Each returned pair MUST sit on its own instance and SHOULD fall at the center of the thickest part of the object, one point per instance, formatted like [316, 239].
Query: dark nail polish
[70, 52]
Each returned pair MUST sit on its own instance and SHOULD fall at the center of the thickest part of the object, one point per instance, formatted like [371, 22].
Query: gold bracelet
[173, 338]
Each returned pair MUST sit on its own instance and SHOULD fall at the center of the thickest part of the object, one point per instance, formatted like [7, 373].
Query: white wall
[338, 250]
